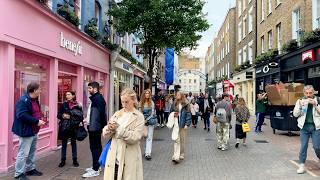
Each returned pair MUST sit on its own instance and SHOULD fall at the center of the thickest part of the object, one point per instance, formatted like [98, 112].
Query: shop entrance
[66, 82]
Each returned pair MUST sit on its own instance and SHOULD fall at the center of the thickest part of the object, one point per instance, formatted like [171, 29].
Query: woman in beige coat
[125, 128]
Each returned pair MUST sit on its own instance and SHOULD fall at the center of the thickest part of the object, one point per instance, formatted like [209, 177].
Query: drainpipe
[113, 59]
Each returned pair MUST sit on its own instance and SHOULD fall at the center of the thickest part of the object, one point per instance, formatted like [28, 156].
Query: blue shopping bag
[104, 154]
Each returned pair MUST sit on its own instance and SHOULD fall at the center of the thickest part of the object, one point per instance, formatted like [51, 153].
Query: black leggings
[194, 120]
[166, 116]
[160, 116]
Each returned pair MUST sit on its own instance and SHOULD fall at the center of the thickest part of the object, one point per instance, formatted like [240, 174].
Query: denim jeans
[149, 141]
[26, 155]
[306, 132]
[206, 121]
[260, 121]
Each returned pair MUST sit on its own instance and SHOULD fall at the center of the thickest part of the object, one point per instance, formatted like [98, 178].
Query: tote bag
[81, 132]
[245, 127]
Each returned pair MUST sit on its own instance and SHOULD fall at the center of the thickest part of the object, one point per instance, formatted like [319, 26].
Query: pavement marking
[309, 172]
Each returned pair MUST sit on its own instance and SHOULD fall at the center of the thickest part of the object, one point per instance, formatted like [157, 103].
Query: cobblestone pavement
[273, 158]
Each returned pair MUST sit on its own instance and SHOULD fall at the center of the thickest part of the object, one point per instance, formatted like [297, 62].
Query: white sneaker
[301, 169]
[92, 173]
[91, 169]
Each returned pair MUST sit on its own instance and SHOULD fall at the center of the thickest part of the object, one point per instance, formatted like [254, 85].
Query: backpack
[221, 115]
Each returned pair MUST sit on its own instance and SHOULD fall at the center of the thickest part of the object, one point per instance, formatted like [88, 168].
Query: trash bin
[281, 118]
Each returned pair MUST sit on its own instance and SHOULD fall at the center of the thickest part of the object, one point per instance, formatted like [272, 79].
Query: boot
[75, 162]
[62, 163]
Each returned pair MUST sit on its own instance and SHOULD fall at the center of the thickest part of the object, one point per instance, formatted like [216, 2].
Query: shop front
[58, 57]
[244, 86]
[138, 81]
[123, 78]
[219, 89]
[302, 66]
[266, 74]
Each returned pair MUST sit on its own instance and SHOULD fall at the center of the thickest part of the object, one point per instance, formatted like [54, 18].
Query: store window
[296, 24]
[31, 68]
[315, 14]
[89, 76]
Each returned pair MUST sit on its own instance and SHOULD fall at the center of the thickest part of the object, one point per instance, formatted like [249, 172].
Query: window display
[31, 68]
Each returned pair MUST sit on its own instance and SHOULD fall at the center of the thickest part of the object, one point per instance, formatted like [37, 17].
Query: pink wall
[25, 26]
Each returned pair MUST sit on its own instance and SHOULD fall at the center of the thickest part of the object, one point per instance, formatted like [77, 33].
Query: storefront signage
[308, 55]
[125, 66]
[258, 71]
[74, 47]
[266, 69]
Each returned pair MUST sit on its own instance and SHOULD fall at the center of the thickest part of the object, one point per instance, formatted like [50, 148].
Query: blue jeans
[26, 155]
[260, 120]
[306, 132]
[206, 121]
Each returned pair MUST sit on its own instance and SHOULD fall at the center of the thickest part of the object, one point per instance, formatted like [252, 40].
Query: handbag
[215, 120]
[245, 127]
[104, 154]
[152, 120]
[81, 132]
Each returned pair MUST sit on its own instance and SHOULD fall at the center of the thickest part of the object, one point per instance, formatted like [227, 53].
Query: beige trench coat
[130, 165]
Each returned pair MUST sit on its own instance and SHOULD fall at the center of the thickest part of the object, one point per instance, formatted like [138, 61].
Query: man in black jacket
[96, 119]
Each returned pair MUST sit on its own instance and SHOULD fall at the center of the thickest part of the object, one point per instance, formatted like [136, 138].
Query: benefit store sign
[74, 47]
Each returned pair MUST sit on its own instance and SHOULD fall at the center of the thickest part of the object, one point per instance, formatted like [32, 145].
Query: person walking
[26, 125]
[159, 109]
[260, 111]
[167, 108]
[307, 110]
[223, 115]
[242, 116]
[182, 112]
[96, 119]
[70, 116]
[208, 109]
[190, 97]
[148, 109]
[194, 107]
[125, 128]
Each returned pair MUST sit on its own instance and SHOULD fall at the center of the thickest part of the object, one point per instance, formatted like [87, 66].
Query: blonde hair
[241, 102]
[132, 94]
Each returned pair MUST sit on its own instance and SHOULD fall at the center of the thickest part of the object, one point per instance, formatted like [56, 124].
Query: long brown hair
[182, 100]
[241, 102]
[144, 100]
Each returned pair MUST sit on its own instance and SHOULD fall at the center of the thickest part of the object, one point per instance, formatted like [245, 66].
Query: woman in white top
[194, 107]
[125, 128]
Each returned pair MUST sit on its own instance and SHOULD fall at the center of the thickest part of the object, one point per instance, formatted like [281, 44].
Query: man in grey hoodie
[223, 114]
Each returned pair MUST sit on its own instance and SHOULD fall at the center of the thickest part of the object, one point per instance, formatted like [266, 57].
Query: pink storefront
[37, 45]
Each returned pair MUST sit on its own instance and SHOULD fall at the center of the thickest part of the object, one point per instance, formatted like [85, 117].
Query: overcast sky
[217, 10]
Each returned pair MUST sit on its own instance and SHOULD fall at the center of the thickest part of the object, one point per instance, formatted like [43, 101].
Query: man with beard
[96, 119]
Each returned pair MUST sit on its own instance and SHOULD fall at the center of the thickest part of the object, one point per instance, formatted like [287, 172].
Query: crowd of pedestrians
[137, 120]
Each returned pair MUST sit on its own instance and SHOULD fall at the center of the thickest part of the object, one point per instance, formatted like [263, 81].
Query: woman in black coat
[70, 116]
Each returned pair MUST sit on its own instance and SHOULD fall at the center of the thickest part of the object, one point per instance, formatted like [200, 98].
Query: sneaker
[244, 144]
[34, 172]
[22, 177]
[219, 147]
[301, 169]
[181, 157]
[148, 157]
[175, 161]
[91, 169]
[92, 173]
[237, 145]
[224, 149]
[75, 163]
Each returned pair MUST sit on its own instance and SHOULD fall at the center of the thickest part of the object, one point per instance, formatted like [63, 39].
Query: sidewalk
[271, 160]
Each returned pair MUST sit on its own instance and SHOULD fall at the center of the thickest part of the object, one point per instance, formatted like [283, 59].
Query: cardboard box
[284, 94]
[293, 98]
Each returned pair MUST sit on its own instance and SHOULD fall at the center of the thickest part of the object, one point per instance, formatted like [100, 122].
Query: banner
[169, 66]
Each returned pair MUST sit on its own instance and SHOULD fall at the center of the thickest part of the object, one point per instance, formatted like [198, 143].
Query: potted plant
[290, 46]
[69, 15]
[108, 44]
[92, 29]
[309, 37]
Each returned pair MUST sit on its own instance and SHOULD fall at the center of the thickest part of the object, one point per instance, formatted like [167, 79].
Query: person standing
[159, 108]
[181, 111]
[208, 109]
[96, 119]
[242, 116]
[194, 107]
[125, 129]
[190, 97]
[307, 110]
[70, 116]
[223, 115]
[148, 110]
[260, 111]
[26, 125]
[167, 108]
